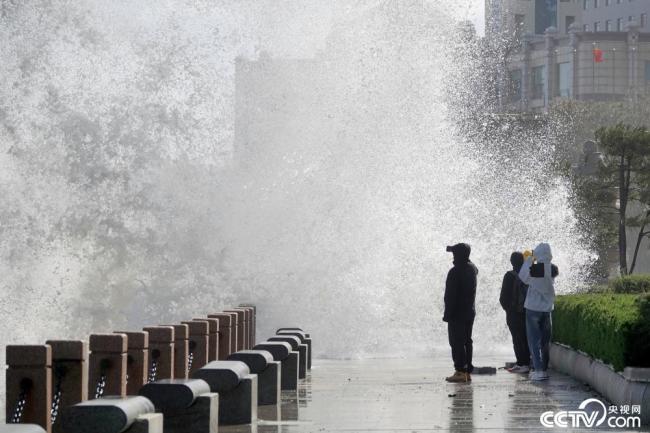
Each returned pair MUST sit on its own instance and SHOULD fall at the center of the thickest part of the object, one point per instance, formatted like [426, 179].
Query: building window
[569, 20]
[564, 80]
[619, 25]
[609, 26]
[608, 2]
[520, 23]
[585, 27]
[538, 81]
[595, 4]
[545, 15]
[644, 20]
[515, 85]
[597, 26]
[585, 4]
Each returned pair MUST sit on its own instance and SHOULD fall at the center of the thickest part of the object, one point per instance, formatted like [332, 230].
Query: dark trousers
[460, 340]
[517, 325]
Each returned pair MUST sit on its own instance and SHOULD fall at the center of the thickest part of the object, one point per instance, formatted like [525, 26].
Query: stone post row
[43, 380]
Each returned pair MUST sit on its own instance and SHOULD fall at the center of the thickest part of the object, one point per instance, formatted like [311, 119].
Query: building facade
[614, 15]
[599, 50]
[586, 66]
[535, 16]
[587, 50]
[519, 17]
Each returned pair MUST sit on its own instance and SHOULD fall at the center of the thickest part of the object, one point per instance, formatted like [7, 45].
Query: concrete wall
[613, 386]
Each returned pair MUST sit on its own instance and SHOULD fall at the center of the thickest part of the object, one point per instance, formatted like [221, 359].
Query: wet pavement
[392, 395]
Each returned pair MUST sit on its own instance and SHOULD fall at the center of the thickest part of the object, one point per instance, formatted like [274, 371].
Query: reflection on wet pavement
[393, 395]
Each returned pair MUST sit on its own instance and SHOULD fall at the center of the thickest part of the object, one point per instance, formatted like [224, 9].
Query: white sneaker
[538, 376]
[520, 369]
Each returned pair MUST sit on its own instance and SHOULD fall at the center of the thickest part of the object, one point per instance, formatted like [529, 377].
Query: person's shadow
[461, 411]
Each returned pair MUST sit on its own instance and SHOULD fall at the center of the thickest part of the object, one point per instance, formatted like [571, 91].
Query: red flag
[598, 55]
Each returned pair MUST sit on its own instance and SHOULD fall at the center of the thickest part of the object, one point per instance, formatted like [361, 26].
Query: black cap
[461, 251]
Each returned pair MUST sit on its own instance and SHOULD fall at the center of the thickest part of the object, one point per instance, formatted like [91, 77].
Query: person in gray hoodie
[539, 274]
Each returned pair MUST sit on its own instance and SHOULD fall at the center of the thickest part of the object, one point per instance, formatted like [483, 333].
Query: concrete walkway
[412, 396]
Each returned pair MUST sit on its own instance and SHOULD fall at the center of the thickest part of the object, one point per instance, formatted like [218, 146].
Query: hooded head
[542, 253]
[461, 253]
[516, 260]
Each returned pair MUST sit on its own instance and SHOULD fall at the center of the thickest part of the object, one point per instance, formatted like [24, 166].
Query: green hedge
[614, 328]
[630, 284]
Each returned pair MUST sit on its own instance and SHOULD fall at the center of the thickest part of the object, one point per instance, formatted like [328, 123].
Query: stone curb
[602, 378]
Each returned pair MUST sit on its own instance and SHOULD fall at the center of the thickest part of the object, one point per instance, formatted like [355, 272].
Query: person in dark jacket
[460, 294]
[512, 298]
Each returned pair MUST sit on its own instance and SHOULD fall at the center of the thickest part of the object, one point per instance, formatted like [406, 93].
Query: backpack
[537, 270]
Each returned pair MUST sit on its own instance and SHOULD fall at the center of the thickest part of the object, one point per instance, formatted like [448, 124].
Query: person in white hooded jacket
[539, 274]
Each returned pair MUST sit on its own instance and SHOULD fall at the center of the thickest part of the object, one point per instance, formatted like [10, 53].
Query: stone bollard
[237, 390]
[107, 365]
[69, 376]
[298, 347]
[240, 328]
[112, 415]
[249, 326]
[198, 346]
[262, 363]
[308, 341]
[213, 338]
[245, 327]
[304, 339]
[161, 353]
[253, 321]
[137, 360]
[181, 350]
[233, 331]
[21, 428]
[225, 334]
[242, 339]
[29, 385]
[290, 360]
[187, 406]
